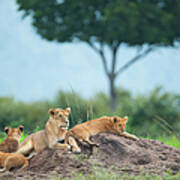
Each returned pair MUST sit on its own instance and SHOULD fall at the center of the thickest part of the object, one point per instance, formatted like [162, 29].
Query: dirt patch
[120, 154]
[135, 156]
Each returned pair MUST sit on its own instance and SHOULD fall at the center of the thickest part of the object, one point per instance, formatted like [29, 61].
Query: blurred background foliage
[153, 115]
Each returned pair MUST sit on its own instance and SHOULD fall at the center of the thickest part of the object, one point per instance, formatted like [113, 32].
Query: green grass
[172, 141]
[106, 175]
[23, 137]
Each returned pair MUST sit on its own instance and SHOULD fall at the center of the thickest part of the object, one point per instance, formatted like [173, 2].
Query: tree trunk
[113, 94]
[113, 73]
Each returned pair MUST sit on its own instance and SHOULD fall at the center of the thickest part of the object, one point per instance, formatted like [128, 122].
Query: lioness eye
[60, 115]
[120, 125]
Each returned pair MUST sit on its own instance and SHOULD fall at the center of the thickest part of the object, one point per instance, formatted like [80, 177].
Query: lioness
[83, 132]
[55, 130]
[12, 160]
[11, 142]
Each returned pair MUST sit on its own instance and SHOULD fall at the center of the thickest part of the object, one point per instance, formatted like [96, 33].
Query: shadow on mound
[120, 154]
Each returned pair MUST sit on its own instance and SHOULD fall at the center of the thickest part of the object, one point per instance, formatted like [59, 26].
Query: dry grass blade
[166, 125]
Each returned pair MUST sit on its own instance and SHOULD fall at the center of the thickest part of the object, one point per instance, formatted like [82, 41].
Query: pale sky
[33, 69]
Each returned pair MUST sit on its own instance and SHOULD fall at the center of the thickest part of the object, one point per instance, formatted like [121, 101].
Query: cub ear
[125, 118]
[68, 110]
[115, 120]
[6, 130]
[51, 111]
[21, 128]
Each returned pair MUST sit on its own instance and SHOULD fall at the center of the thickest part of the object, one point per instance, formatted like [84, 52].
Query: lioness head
[60, 117]
[119, 124]
[14, 132]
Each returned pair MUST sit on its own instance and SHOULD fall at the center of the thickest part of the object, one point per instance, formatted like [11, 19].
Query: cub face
[14, 132]
[119, 124]
[60, 117]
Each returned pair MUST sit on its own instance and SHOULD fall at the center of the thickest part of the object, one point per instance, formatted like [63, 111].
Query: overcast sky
[34, 69]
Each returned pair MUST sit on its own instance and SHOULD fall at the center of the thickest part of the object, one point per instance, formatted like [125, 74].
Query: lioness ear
[6, 130]
[51, 112]
[115, 120]
[68, 110]
[126, 118]
[21, 128]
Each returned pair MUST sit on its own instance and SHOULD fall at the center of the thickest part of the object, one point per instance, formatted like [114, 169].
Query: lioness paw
[97, 145]
[69, 147]
[76, 150]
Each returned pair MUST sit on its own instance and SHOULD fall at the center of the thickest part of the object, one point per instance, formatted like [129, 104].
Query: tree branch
[93, 47]
[101, 53]
[135, 59]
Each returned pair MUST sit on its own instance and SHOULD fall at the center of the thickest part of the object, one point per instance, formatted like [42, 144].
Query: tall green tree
[142, 24]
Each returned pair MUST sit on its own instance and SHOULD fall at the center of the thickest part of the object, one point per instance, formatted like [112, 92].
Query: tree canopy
[135, 22]
[108, 23]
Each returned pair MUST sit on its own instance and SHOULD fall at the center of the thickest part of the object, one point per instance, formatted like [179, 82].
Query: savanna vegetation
[106, 26]
[152, 116]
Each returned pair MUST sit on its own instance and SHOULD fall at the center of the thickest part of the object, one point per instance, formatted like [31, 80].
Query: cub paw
[135, 138]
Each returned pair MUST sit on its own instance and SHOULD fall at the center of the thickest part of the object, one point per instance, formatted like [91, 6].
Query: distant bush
[146, 109]
[149, 115]
[30, 115]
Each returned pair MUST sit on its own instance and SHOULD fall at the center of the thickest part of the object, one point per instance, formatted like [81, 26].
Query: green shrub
[149, 115]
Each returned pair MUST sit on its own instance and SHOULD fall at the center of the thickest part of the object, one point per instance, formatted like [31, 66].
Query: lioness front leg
[131, 136]
[74, 145]
[32, 154]
[59, 146]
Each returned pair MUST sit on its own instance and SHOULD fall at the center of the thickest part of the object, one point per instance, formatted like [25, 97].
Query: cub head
[60, 117]
[14, 132]
[119, 124]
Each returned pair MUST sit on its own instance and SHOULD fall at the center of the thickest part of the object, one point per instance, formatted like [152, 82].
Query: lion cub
[54, 132]
[83, 132]
[12, 160]
[11, 142]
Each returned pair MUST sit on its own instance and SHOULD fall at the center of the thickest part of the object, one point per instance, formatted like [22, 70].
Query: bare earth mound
[120, 154]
